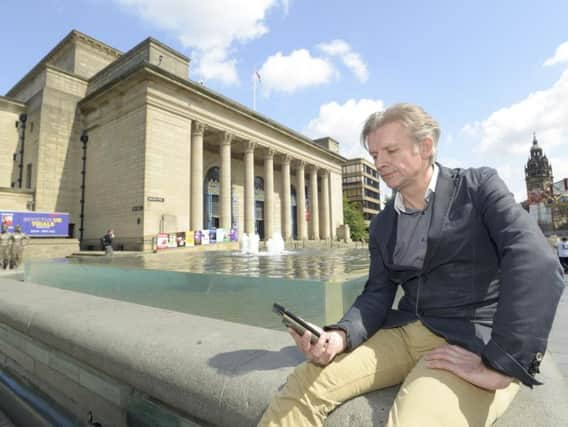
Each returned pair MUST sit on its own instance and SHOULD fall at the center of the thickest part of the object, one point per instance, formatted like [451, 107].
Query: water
[311, 264]
[318, 285]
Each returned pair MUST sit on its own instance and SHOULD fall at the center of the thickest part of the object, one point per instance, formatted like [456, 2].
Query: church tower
[538, 175]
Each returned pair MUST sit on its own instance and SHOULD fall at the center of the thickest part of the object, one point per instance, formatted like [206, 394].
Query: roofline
[14, 101]
[214, 96]
[39, 66]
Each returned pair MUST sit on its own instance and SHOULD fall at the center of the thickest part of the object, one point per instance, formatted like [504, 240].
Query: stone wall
[130, 362]
[15, 200]
[9, 136]
[49, 248]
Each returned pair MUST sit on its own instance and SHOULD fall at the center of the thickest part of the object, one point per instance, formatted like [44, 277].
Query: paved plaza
[558, 344]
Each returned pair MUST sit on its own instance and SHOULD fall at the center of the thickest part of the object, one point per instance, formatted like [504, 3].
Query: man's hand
[325, 349]
[466, 365]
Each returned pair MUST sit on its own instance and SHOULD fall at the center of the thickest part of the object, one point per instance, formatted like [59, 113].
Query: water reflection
[307, 264]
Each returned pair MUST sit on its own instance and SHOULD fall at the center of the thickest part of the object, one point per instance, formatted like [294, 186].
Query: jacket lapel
[388, 227]
[443, 196]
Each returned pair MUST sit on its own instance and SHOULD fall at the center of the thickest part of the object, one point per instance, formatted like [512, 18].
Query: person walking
[107, 241]
[476, 272]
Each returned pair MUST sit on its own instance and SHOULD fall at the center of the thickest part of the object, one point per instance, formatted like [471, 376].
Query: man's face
[400, 161]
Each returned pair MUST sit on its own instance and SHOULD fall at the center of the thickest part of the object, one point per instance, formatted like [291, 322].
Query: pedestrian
[107, 241]
[5, 247]
[562, 248]
[19, 241]
[476, 272]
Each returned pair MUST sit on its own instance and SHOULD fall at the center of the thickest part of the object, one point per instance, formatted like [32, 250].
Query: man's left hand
[466, 365]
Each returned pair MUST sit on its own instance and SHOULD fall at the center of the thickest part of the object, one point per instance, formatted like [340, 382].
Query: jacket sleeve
[369, 310]
[531, 283]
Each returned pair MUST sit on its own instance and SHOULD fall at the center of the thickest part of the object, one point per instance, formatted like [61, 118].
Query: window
[29, 175]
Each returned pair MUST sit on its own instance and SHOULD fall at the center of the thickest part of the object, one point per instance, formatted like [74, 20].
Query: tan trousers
[427, 397]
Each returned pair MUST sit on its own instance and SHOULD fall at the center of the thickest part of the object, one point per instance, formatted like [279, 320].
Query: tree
[353, 216]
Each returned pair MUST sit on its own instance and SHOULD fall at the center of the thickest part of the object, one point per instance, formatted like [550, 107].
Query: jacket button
[539, 356]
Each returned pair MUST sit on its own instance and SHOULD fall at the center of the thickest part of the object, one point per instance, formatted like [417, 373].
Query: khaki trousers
[427, 397]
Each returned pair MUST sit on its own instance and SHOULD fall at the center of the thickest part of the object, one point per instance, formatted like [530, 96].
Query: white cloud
[343, 122]
[215, 65]
[507, 130]
[351, 59]
[208, 26]
[506, 135]
[295, 71]
[561, 55]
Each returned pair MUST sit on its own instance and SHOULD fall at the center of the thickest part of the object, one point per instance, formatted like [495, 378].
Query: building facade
[127, 141]
[538, 178]
[361, 186]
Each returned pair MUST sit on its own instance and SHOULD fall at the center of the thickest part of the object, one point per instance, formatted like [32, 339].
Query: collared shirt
[413, 226]
[398, 200]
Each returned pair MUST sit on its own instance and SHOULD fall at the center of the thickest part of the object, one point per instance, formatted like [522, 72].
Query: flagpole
[254, 92]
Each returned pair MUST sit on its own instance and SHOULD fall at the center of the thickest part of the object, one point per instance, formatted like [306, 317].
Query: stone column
[225, 196]
[249, 188]
[325, 205]
[286, 200]
[268, 194]
[314, 205]
[197, 175]
[301, 201]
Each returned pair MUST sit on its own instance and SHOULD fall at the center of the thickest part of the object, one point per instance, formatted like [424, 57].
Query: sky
[491, 72]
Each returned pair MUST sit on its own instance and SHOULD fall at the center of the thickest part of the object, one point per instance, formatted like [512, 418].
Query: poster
[190, 238]
[37, 224]
[162, 241]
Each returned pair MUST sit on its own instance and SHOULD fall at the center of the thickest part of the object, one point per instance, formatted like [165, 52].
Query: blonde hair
[413, 117]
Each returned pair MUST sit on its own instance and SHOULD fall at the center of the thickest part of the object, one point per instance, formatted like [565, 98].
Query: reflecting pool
[316, 284]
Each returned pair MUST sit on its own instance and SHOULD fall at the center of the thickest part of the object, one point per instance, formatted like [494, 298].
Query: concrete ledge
[47, 248]
[207, 371]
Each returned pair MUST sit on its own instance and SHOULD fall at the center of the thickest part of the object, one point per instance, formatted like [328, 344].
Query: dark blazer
[490, 281]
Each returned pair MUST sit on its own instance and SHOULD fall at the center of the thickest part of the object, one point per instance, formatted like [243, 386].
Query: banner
[37, 224]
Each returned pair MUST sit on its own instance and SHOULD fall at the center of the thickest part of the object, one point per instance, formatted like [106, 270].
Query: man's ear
[426, 147]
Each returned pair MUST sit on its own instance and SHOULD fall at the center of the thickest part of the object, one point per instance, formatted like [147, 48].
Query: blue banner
[37, 224]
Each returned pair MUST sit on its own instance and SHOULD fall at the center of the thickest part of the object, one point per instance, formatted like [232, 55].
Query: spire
[535, 142]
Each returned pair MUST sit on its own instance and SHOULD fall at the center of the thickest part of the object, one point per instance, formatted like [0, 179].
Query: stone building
[127, 141]
[361, 186]
[538, 178]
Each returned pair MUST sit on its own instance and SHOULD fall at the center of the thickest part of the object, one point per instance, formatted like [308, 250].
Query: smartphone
[295, 322]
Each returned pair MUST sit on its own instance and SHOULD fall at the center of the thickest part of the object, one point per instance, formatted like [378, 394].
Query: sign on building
[37, 224]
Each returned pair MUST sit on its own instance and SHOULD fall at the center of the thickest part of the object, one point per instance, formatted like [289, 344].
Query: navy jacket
[490, 281]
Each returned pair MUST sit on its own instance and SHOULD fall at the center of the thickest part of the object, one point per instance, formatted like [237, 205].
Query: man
[107, 241]
[5, 247]
[562, 249]
[476, 272]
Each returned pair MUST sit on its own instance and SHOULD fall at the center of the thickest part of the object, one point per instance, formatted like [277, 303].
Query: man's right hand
[329, 345]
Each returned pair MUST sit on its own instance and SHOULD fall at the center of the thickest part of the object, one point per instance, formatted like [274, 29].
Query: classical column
[325, 205]
[301, 201]
[225, 181]
[249, 188]
[286, 200]
[268, 194]
[197, 175]
[314, 205]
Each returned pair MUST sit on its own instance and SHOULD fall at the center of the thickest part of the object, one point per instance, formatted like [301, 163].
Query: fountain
[275, 245]
[249, 244]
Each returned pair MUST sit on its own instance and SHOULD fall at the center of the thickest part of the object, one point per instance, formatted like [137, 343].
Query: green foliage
[353, 216]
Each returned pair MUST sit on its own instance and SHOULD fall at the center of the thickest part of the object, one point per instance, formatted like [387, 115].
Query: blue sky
[491, 72]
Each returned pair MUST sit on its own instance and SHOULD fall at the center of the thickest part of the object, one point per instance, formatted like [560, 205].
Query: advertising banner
[37, 224]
